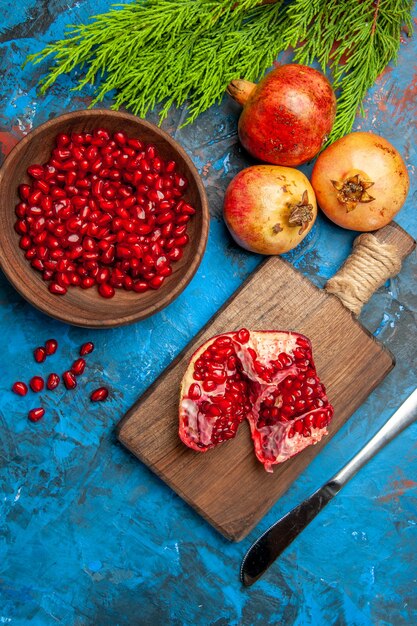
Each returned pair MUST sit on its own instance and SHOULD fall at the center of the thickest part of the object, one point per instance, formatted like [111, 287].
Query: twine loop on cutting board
[364, 271]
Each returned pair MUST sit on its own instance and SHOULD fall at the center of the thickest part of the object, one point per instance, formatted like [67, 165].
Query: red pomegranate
[287, 116]
[267, 377]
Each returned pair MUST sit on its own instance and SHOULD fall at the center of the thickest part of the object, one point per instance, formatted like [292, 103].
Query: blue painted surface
[87, 534]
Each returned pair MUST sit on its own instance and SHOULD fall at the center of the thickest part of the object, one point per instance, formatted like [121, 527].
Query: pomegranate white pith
[267, 377]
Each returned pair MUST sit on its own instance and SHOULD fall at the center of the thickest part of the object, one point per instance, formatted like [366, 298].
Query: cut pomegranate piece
[267, 377]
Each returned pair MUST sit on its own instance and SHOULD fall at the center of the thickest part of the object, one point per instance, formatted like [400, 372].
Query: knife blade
[266, 549]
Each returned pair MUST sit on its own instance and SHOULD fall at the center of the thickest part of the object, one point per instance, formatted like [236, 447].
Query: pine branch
[356, 40]
[178, 51]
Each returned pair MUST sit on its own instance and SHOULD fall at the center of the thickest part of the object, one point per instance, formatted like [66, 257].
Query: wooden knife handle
[375, 258]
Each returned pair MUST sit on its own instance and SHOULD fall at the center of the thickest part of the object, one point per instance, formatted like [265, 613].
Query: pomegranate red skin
[288, 116]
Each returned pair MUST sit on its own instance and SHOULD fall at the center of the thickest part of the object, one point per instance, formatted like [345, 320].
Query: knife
[278, 537]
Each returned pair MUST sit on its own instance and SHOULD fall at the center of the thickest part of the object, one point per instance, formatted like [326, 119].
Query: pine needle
[187, 51]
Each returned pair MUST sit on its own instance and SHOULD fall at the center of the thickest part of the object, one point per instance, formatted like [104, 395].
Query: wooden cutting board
[227, 485]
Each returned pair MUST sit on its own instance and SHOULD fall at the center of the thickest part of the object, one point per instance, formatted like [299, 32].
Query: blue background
[88, 535]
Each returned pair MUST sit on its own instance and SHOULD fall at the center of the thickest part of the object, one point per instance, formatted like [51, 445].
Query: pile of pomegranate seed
[37, 383]
[104, 210]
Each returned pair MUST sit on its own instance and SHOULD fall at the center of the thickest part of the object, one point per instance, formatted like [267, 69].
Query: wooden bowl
[86, 307]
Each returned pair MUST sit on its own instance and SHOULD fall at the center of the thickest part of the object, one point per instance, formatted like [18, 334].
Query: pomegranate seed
[25, 242]
[57, 289]
[36, 384]
[243, 335]
[182, 241]
[98, 189]
[209, 385]
[21, 227]
[213, 411]
[194, 391]
[35, 171]
[39, 355]
[86, 348]
[140, 286]
[20, 388]
[120, 138]
[69, 379]
[231, 363]
[52, 381]
[78, 367]
[100, 394]
[285, 359]
[62, 140]
[51, 346]
[175, 254]
[170, 166]
[87, 283]
[24, 191]
[300, 405]
[21, 209]
[35, 415]
[156, 281]
[298, 426]
[187, 209]
[106, 290]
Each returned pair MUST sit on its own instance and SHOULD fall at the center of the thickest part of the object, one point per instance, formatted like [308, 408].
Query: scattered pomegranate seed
[53, 381]
[20, 388]
[78, 367]
[51, 346]
[40, 355]
[105, 210]
[69, 379]
[36, 384]
[86, 348]
[36, 414]
[100, 394]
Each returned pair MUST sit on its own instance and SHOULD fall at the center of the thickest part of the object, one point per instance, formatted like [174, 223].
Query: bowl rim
[191, 268]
